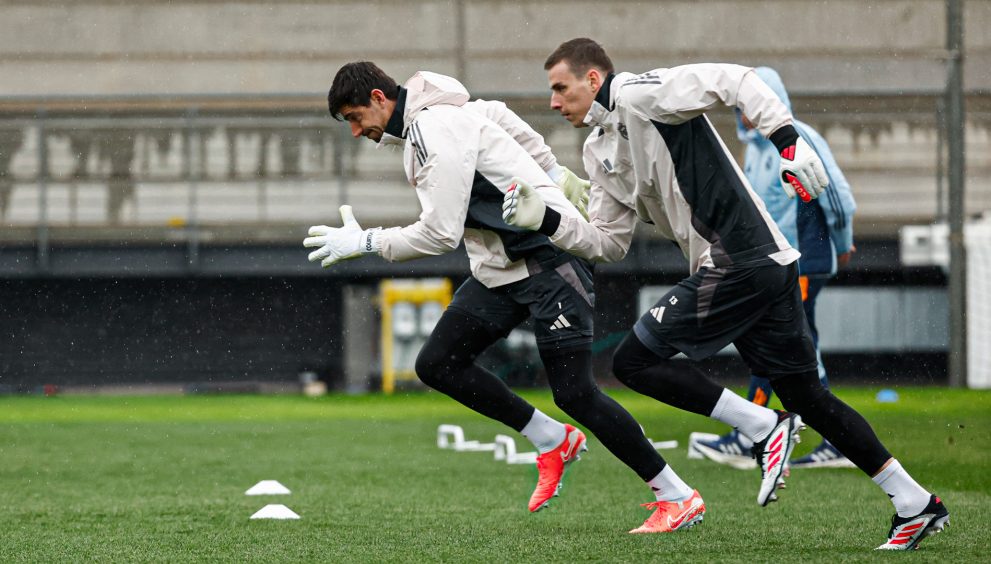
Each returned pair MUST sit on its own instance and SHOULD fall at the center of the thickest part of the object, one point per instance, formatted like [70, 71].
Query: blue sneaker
[731, 449]
[823, 456]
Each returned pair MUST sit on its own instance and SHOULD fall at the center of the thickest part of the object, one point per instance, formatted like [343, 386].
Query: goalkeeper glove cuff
[371, 241]
[784, 137]
[552, 219]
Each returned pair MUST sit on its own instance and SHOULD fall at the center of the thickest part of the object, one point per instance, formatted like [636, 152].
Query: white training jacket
[531, 141]
[652, 152]
[461, 163]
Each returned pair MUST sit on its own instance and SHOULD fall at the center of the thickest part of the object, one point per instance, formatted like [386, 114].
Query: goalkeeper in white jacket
[652, 152]
[461, 162]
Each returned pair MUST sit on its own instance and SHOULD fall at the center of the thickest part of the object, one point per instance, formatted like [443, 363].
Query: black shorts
[758, 309]
[560, 300]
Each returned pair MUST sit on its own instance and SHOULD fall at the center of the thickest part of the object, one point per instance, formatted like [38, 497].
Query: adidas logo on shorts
[561, 323]
[658, 313]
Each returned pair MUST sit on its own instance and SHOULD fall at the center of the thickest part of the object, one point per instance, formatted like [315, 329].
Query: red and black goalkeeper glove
[802, 172]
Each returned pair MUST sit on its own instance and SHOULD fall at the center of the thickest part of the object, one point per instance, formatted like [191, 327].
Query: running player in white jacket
[460, 163]
[653, 151]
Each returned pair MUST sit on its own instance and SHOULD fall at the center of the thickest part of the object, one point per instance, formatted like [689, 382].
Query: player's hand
[522, 206]
[575, 190]
[341, 243]
[802, 172]
[844, 259]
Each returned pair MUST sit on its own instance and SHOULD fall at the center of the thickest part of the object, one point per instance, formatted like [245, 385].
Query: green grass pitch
[163, 479]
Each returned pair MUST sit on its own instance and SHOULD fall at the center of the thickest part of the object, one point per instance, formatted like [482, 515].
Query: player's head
[576, 71]
[364, 96]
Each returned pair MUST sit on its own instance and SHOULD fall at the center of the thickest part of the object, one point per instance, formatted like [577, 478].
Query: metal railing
[258, 175]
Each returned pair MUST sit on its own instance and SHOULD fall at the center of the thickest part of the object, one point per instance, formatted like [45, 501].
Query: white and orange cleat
[552, 464]
[670, 516]
[773, 453]
[907, 532]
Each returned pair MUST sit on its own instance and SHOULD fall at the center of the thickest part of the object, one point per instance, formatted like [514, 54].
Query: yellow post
[414, 291]
[388, 370]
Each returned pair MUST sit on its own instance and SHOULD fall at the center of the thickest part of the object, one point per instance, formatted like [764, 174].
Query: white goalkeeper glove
[341, 243]
[802, 172]
[575, 189]
[522, 206]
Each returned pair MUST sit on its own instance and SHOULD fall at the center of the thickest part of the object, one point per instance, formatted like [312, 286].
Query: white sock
[906, 494]
[545, 433]
[753, 421]
[668, 486]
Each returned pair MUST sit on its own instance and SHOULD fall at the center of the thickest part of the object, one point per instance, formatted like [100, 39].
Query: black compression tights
[575, 392]
[652, 375]
[446, 363]
[839, 423]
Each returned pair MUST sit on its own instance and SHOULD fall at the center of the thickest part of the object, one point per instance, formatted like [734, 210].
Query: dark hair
[581, 54]
[353, 86]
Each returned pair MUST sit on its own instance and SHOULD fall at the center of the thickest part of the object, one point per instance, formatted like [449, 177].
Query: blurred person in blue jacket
[822, 230]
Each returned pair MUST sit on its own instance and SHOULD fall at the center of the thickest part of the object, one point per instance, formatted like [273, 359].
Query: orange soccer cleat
[672, 516]
[552, 464]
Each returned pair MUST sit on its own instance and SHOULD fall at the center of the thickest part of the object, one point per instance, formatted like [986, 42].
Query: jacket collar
[427, 89]
[605, 101]
[394, 130]
[603, 97]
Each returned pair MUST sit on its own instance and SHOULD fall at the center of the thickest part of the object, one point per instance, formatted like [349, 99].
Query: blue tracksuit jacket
[820, 229]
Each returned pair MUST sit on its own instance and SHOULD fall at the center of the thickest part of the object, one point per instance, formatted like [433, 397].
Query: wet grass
[163, 479]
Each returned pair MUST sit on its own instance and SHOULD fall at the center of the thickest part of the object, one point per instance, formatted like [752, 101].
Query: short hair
[581, 54]
[353, 86]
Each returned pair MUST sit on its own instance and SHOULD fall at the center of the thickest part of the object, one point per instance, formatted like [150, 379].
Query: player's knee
[626, 373]
[631, 374]
[631, 360]
[575, 400]
[800, 392]
[431, 365]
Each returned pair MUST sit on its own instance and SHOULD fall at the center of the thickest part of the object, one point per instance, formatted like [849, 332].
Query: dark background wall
[100, 331]
[244, 316]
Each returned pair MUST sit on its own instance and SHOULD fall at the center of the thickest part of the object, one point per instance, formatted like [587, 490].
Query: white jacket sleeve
[519, 130]
[678, 94]
[443, 165]
[608, 234]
